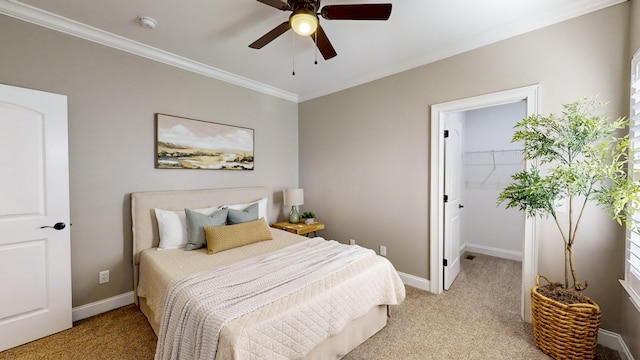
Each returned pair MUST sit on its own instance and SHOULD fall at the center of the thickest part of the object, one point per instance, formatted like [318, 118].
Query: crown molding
[539, 21]
[28, 13]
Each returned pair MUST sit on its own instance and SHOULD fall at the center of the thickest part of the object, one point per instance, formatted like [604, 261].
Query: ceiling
[211, 37]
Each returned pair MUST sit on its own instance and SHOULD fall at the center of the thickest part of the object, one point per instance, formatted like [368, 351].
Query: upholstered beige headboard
[143, 219]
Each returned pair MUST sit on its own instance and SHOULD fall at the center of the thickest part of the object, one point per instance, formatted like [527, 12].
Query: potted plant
[309, 217]
[579, 159]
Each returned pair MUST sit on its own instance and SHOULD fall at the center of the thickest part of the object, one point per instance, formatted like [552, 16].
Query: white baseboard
[614, 341]
[112, 303]
[491, 251]
[98, 307]
[416, 282]
[605, 337]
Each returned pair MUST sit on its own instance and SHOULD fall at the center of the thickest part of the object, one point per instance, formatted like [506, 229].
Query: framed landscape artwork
[183, 143]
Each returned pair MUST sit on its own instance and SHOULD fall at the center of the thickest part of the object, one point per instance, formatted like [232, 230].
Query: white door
[35, 270]
[452, 205]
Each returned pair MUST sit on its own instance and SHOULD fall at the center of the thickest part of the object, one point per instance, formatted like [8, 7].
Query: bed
[320, 320]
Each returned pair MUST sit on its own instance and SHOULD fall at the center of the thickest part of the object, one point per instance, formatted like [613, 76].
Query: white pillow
[262, 207]
[172, 227]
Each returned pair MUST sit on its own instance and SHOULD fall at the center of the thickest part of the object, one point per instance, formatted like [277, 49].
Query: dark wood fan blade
[277, 4]
[271, 35]
[357, 12]
[323, 44]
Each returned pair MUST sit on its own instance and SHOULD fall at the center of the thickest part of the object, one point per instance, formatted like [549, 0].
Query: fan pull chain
[316, 53]
[293, 54]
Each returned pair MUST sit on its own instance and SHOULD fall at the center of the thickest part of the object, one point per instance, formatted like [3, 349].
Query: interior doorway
[439, 115]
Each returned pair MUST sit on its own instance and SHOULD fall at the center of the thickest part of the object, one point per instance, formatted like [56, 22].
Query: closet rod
[493, 151]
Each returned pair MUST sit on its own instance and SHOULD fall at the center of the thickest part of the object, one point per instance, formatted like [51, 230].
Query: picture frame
[183, 143]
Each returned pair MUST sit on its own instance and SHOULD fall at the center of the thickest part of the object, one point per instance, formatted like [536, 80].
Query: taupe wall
[364, 152]
[112, 99]
[634, 14]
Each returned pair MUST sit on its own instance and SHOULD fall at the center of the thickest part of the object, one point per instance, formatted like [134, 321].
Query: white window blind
[632, 268]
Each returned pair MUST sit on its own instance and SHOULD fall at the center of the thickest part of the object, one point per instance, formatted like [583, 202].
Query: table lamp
[293, 198]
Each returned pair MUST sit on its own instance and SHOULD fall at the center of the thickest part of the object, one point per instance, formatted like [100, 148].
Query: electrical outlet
[352, 242]
[383, 250]
[103, 277]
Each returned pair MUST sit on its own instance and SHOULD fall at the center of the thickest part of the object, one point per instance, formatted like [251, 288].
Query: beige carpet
[479, 318]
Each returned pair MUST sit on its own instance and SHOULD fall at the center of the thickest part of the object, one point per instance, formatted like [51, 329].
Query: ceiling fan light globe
[304, 23]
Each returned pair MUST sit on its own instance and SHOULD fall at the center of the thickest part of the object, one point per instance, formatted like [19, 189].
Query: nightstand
[300, 228]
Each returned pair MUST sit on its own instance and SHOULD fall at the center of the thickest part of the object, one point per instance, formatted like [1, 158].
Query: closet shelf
[493, 157]
[486, 163]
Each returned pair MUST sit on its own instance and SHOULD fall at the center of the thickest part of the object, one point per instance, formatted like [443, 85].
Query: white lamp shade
[293, 197]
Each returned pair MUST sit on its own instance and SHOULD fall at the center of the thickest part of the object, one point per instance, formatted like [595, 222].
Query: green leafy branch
[579, 158]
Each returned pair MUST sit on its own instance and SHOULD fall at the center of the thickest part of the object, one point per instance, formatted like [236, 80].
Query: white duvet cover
[280, 323]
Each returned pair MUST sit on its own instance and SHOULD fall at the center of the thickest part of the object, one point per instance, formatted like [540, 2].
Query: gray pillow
[242, 216]
[196, 222]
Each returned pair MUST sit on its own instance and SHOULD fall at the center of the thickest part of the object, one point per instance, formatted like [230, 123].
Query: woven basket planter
[564, 331]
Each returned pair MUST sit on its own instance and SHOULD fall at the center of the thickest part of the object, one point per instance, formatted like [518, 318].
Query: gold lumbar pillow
[220, 238]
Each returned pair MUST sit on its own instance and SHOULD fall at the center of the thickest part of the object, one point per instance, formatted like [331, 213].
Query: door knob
[57, 226]
[460, 206]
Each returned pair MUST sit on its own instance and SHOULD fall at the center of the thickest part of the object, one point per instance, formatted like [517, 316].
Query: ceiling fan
[304, 20]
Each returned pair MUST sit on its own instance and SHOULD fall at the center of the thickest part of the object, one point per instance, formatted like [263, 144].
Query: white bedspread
[315, 288]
